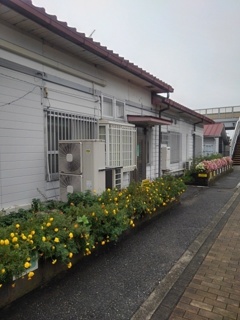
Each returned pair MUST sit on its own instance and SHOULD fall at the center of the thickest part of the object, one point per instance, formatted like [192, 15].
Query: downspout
[160, 139]
[194, 138]
[159, 149]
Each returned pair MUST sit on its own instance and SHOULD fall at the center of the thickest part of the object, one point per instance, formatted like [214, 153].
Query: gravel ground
[113, 284]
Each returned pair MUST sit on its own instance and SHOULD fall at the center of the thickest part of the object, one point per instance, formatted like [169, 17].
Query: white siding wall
[21, 140]
[22, 125]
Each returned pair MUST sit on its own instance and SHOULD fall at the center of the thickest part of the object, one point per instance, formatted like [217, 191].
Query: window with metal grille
[65, 126]
[165, 138]
[120, 144]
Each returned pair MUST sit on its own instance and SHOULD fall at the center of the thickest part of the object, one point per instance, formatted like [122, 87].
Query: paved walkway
[184, 265]
[209, 287]
[214, 292]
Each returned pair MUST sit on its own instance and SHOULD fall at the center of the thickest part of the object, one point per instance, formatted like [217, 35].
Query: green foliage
[56, 230]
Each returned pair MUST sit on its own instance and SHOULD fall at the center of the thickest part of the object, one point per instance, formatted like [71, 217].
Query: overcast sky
[193, 45]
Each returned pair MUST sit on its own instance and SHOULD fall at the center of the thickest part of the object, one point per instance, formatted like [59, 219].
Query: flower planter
[206, 179]
[45, 271]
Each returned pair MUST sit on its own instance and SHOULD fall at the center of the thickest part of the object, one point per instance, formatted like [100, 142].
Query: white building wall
[24, 98]
[21, 140]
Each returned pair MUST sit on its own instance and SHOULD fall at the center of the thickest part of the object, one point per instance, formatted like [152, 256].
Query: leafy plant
[57, 231]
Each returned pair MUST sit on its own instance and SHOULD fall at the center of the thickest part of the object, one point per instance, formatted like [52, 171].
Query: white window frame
[120, 145]
[64, 125]
[116, 106]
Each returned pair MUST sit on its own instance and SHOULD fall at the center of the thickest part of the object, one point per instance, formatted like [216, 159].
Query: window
[107, 107]
[112, 108]
[198, 146]
[65, 126]
[119, 109]
[175, 147]
[174, 141]
[120, 144]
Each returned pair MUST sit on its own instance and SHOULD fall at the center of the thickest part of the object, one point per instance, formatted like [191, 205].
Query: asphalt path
[113, 284]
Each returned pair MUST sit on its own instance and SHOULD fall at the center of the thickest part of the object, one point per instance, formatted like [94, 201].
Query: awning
[144, 121]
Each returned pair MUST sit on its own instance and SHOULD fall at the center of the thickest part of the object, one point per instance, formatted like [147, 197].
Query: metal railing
[235, 137]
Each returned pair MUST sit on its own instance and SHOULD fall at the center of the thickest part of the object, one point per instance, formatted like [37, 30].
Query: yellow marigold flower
[23, 236]
[108, 190]
[93, 214]
[14, 239]
[103, 243]
[69, 265]
[72, 204]
[33, 232]
[28, 259]
[53, 247]
[3, 270]
[12, 234]
[70, 235]
[27, 265]
[48, 224]
[70, 255]
[17, 225]
[51, 219]
[44, 239]
[54, 261]
[56, 239]
[2, 242]
[6, 242]
[30, 236]
[164, 204]
[30, 275]
[56, 229]
[16, 246]
[115, 199]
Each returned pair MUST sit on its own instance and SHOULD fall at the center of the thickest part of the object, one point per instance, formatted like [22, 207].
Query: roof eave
[27, 9]
[157, 100]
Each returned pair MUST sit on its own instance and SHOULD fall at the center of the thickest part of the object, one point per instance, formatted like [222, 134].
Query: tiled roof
[51, 23]
[214, 130]
[169, 104]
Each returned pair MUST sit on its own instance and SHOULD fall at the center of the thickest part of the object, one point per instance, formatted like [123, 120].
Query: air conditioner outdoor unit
[70, 157]
[81, 166]
[69, 184]
[188, 165]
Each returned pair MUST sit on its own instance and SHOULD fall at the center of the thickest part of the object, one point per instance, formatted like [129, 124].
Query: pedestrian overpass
[230, 116]
[227, 115]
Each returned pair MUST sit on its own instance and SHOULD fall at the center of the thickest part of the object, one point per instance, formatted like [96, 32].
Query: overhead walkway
[227, 115]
